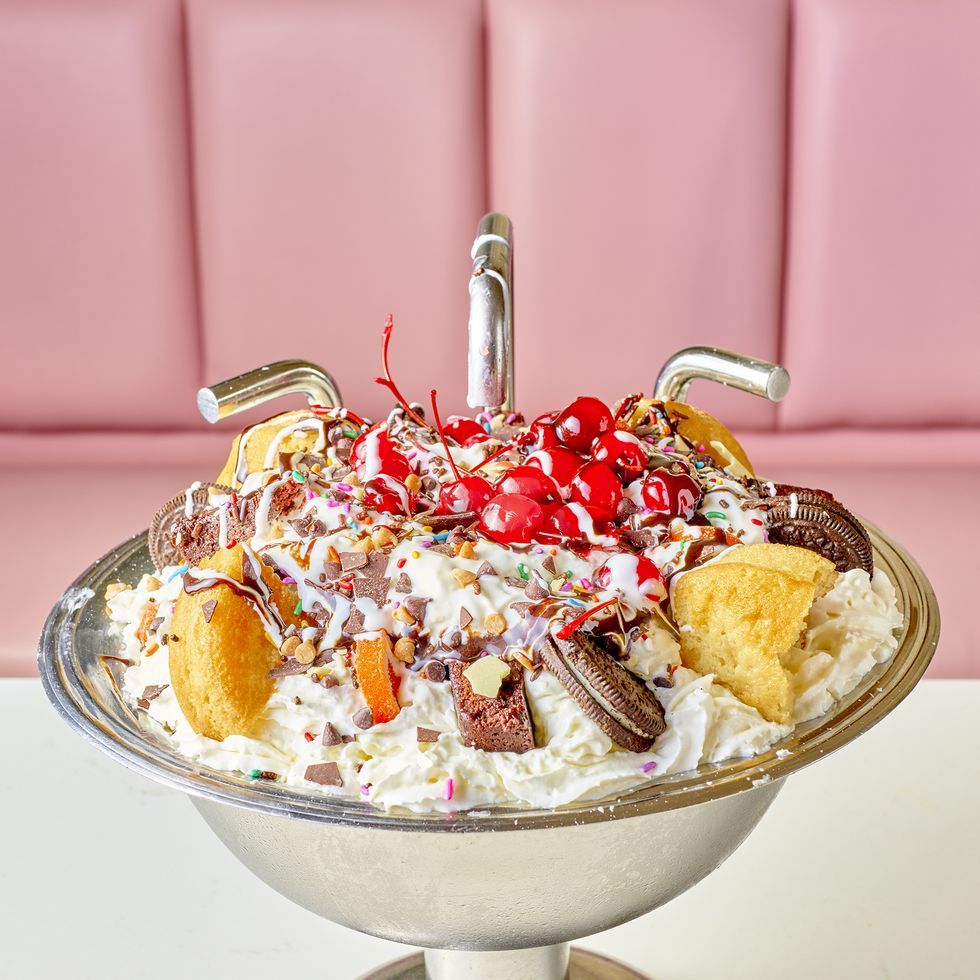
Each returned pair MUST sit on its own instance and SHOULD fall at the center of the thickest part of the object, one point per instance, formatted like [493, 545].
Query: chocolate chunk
[324, 773]
[549, 566]
[207, 610]
[639, 538]
[485, 569]
[443, 549]
[812, 519]
[403, 584]
[662, 682]
[288, 669]
[443, 522]
[352, 560]
[465, 617]
[616, 700]
[426, 734]
[626, 508]
[363, 718]
[434, 671]
[416, 606]
[157, 622]
[535, 590]
[355, 621]
[152, 691]
[500, 724]
[522, 608]
[330, 735]
[372, 588]
[332, 570]
[377, 564]
[514, 582]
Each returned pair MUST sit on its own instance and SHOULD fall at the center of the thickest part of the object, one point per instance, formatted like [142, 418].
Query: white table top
[867, 865]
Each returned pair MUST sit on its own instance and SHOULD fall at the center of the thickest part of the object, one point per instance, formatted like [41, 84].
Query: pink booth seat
[115, 497]
[189, 188]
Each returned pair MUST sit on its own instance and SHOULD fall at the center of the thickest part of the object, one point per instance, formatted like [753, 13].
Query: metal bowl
[466, 881]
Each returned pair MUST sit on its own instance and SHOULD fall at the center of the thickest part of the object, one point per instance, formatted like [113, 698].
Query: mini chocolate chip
[363, 718]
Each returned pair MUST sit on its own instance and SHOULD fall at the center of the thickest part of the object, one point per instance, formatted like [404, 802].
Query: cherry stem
[442, 435]
[573, 624]
[386, 381]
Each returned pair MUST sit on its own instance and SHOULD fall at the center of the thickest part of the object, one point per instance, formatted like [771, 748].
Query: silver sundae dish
[500, 892]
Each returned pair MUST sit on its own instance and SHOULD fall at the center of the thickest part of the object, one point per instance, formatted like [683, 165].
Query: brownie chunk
[500, 724]
[196, 538]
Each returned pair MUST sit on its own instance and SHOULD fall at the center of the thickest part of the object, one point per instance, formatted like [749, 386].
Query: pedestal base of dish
[560, 962]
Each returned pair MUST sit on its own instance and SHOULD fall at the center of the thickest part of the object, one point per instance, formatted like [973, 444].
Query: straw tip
[207, 405]
[777, 385]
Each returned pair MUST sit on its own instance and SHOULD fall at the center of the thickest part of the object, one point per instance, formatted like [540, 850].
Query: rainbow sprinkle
[648, 766]
[449, 788]
[178, 571]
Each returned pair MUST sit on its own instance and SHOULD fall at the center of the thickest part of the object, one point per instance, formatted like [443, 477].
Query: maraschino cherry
[597, 485]
[531, 482]
[467, 432]
[511, 518]
[387, 495]
[622, 451]
[465, 493]
[634, 577]
[374, 454]
[559, 463]
[578, 522]
[540, 433]
[579, 425]
[671, 492]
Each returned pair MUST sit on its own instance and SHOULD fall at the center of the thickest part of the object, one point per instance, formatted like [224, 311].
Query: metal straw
[491, 330]
[265, 383]
[725, 367]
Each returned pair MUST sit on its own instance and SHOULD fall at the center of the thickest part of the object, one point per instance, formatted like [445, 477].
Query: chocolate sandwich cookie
[616, 700]
[159, 539]
[500, 724]
[813, 519]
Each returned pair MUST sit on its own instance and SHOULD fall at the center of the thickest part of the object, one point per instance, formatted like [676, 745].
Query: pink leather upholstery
[338, 184]
[96, 236]
[191, 187]
[884, 221]
[640, 148]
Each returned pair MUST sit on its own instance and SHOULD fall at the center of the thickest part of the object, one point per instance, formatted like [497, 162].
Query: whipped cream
[849, 631]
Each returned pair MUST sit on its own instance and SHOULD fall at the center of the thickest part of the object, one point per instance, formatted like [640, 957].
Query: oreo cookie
[159, 539]
[813, 519]
[616, 700]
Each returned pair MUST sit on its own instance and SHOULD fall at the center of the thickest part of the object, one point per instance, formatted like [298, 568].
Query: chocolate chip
[207, 610]
[363, 718]
[351, 560]
[403, 584]
[426, 734]
[434, 671]
[324, 773]
[330, 735]
[662, 682]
